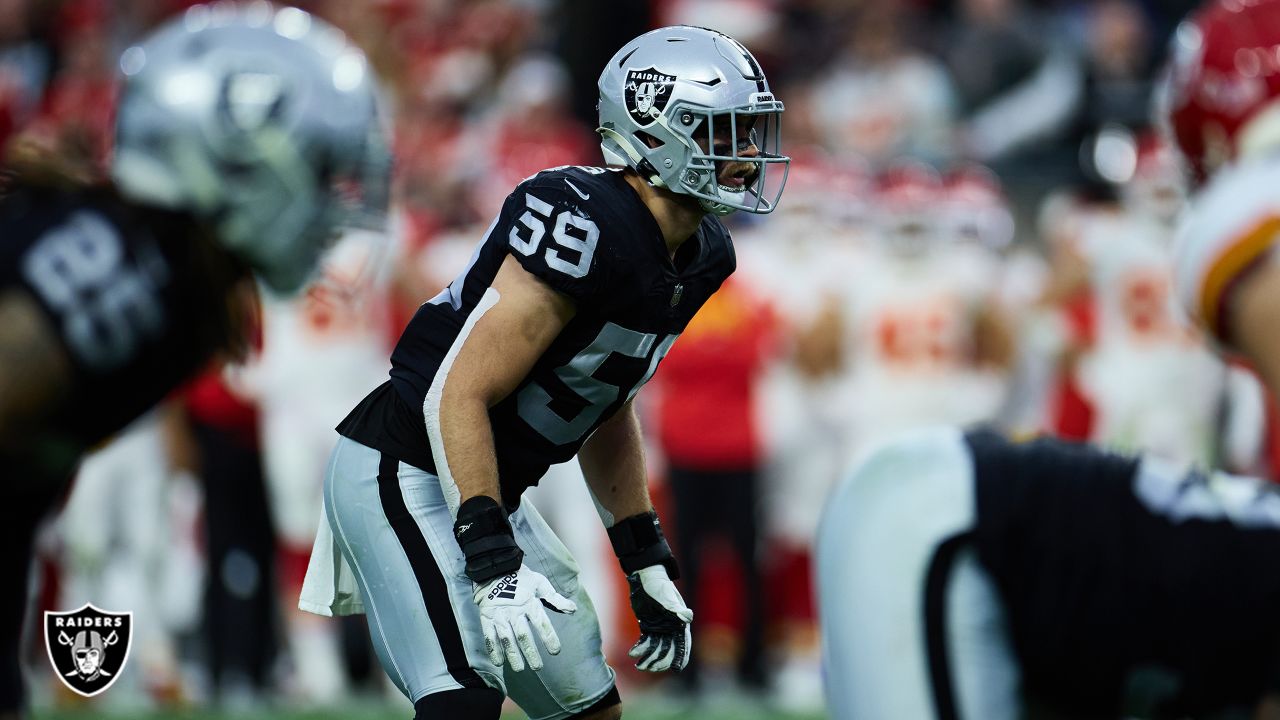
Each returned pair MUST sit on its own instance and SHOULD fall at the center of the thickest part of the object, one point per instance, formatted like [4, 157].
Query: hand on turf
[511, 609]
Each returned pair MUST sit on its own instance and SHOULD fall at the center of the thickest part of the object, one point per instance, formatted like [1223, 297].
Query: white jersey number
[534, 402]
[570, 231]
[108, 308]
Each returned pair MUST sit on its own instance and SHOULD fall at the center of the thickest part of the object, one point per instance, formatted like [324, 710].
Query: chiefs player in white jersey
[116, 535]
[976, 212]
[1142, 346]
[320, 352]
[924, 341]
[800, 262]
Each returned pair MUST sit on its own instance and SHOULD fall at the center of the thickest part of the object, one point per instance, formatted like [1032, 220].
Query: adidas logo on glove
[506, 588]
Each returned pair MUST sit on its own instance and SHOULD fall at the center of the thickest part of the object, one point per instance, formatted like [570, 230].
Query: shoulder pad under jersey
[1228, 227]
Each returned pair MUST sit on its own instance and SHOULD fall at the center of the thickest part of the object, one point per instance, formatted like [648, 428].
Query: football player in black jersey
[965, 576]
[245, 138]
[530, 357]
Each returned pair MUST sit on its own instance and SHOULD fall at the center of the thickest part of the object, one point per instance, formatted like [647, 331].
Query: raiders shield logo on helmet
[88, 647]
[647, 94]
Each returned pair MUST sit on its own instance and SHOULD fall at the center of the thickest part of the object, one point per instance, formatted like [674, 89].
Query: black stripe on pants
[935, 625]
[431, 582]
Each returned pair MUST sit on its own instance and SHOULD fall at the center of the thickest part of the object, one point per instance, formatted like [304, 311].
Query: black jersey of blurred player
[137, 298]
[1128, 580]
[586, 233]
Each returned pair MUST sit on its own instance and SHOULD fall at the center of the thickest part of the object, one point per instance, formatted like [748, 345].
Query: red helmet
[906, 200]
[1157, 188]
[1155, 158]
[976, 207]
[1224, 67]
[808, 183]
[973, 184]
[908, 186]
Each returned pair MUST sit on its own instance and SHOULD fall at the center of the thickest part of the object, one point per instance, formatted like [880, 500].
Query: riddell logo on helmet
[647, 93]
[88, 647]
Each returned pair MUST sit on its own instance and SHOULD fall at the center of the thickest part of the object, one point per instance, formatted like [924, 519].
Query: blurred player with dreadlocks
[244, 138]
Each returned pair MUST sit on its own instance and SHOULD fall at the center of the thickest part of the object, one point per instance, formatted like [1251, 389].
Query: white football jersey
[329, 342]
[798, 265]
[1144, 348]
[1024, 276]
[321, 352]
[910, 342]
[1231, 224]
[1132, 278]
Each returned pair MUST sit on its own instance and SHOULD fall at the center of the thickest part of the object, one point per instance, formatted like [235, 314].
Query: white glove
[508, 604]
[665, 642]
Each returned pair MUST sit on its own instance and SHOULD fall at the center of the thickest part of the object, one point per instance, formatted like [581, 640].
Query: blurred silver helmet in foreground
[261, 121]
[669, 88]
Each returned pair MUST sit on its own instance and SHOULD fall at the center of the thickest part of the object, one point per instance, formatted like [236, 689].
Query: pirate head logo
[647, 94]
[88, 647]
[252, 100]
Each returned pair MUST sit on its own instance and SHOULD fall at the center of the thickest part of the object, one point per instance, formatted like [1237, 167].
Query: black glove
[665, 642]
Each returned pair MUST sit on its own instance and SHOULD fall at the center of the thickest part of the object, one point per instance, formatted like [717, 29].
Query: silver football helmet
[681, 103]
[262, 121]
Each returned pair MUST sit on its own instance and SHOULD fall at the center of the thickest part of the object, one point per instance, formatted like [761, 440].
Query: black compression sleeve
[486, 539]
[638, 542]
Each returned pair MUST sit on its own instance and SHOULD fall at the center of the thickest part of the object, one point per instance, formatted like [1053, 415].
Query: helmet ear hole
[650, 141]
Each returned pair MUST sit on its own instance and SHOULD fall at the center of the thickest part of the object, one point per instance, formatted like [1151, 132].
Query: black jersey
[127, 292]
[1123, 578]
[586, 233]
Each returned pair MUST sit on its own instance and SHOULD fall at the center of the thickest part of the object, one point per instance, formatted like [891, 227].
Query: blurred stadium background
[976, 229]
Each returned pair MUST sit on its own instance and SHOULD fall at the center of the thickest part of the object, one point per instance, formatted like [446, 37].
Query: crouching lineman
[963, 576]
[533, 356]
[966, 577]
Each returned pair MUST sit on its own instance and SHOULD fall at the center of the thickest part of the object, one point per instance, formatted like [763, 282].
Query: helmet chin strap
[715, 208]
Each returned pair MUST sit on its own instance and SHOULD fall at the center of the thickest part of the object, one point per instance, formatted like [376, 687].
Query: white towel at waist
[330, 587]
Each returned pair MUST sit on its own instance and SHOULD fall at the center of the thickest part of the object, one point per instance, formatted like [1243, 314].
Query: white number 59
[582, 242]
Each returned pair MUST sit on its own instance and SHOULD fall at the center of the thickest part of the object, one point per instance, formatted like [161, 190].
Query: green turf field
[637, 711]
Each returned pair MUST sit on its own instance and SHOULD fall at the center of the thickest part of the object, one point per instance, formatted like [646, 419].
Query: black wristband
[486, 539]
[638, 542]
